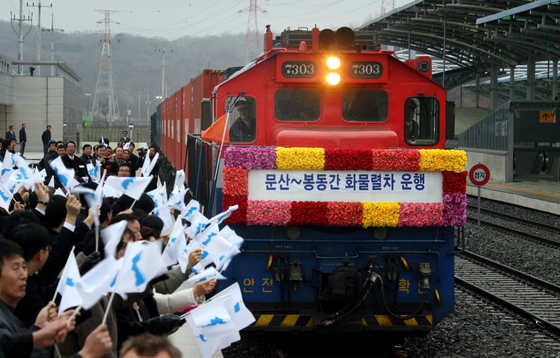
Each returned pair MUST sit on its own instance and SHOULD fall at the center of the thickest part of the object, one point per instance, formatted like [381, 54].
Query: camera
[142, 152]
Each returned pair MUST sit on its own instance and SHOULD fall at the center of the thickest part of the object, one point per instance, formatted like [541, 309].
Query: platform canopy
[474, 35]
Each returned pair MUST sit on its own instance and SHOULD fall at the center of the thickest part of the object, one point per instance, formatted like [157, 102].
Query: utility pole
[38, 33]
[52, 30]
[148, 102]
[162, 72]
[105, 98]
[253, 8]
[21, 19]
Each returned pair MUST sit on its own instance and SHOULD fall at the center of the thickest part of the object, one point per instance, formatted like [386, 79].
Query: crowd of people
[37, 236]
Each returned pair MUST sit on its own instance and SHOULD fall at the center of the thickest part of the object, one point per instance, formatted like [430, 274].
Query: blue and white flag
[149, 165]
[237, 310]
[230, 235]
[126, 145]
[98, 281]
[184, 252]
[179, 180]
[221, 251]
[65, 175]
[94, 171]
[198, 224]
[177, 199]
[5, 197]
[188, 212]
[171, 252]
[206, 275]
[209, 233]
[133, 186]
[142, 263]
[5, 175]
[67, 285]
[112, 236]
[159, 195]
[212, 326]
[103, 141]
[222, 216]
[27, 174]
[9, 160]
[164, 213]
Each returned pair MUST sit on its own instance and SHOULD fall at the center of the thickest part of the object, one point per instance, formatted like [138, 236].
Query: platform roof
[475, 35]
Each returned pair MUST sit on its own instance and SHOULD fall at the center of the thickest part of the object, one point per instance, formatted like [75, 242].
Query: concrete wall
[42, 101]
[495, 160]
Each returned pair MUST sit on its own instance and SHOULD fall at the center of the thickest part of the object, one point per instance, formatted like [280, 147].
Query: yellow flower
[380, 214]
[300, 158]
[439, 160]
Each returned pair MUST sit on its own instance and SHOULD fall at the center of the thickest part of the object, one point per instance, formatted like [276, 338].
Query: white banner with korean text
[358, 185]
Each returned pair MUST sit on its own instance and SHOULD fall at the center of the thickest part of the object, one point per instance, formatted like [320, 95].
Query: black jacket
[22, 135]
[46, 137]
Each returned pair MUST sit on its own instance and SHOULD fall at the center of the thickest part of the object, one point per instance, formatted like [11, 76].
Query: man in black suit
[22, 139]
[71, 161]
[46, 137]
[11, 134]
[125, 138]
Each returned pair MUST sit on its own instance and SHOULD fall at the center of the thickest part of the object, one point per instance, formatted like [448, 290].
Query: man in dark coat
[46, 137]
[11, 134]
[244, 128]
[22, 139]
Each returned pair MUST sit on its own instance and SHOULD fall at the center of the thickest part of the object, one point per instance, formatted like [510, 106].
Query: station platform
[543, 196]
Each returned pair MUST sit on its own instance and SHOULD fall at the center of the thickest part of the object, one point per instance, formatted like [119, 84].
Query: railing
[489, 133]
[199, 171]
[138, 134]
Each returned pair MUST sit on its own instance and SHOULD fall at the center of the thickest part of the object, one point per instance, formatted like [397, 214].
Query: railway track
[527, 296]
[517, 219]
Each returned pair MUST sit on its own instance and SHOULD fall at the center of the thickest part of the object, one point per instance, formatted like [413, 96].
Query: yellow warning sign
[546, 117]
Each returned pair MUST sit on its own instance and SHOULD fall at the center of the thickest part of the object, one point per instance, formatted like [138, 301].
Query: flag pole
[75, 313]
[97, 226]
[217, 169]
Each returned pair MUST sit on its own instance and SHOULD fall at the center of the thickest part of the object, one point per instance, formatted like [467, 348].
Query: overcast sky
[172, 19]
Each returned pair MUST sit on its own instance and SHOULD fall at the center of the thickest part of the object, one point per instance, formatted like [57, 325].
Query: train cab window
[421, 122]
[365, 106]
[242, 121]
[297, 105]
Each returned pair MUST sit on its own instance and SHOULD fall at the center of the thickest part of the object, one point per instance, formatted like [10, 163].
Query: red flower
[309, 213]
[454, 182]
[396, 159]
[348, 159]
[345, 213]
[238, 216]
[236, 181]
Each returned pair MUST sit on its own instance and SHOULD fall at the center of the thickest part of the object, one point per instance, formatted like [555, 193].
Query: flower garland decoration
[300, 158]
[396, 159]
[380, 214]
[236, 181]
[348, 159]
[451, 212]
[439, 160]
[268, 212]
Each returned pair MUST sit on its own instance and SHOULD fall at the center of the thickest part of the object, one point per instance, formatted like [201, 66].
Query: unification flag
[5, 197]
[171, 252]
[183, 256]
[126, 145]
[215, 132]
[67, 285]
[188, 212]
[142, 263]
[133, 186]
[208, 274]
[212, 326]
[94, 171]
[26, 174]
[5, 174]
[230, 235]
[164, 213]
[149, 165]
[179, 180]
[112, 236]
[177, 199]
[198, 224]
[9, 160]
[65, 175]
[222, 216]
[159, 195]
[221, 251]
[98, 281]
[240, 315]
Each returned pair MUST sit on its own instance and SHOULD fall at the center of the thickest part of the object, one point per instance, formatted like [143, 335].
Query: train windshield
[421, 121]
[365, 106]
[297, 104]
[242, 121]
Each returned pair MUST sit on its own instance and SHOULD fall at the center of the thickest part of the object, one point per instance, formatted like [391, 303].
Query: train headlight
[333, 78]
[333, 63]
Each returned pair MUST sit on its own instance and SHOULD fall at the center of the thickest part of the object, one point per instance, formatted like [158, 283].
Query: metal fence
[114, 133]
[489, 133]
